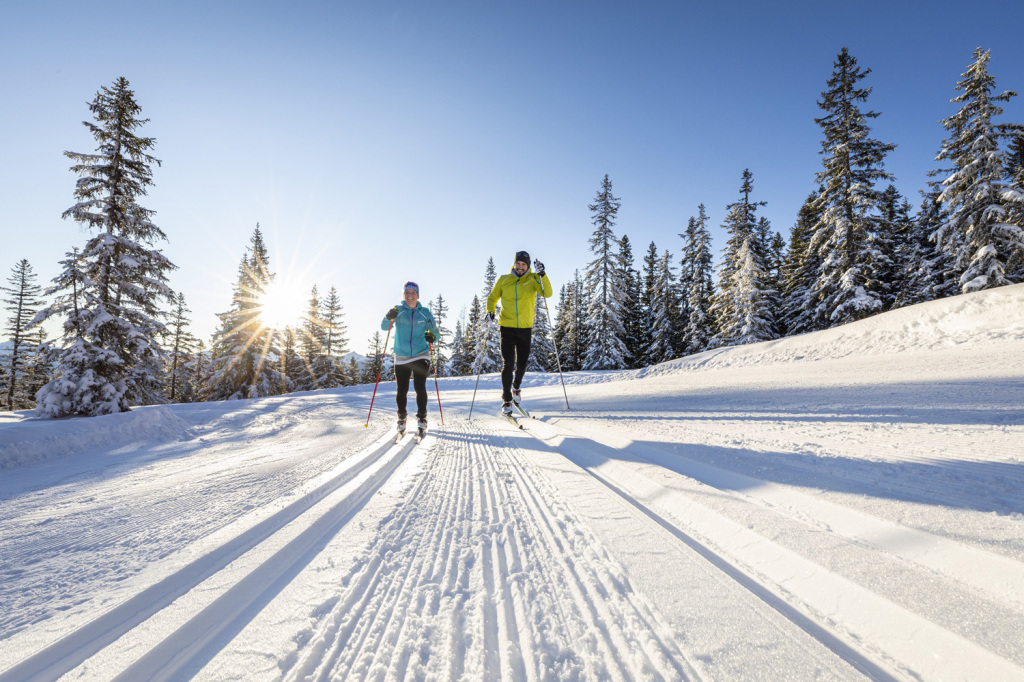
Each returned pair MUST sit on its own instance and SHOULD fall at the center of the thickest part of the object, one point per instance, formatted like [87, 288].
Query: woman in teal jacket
[414, 329]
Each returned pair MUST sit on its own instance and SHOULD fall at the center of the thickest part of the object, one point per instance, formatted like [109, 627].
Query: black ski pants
[418, 370]
[515, 353]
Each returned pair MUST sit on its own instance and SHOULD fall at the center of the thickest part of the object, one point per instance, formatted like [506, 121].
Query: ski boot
[401, 427]
[515, 396]
[506, 408]
[421, 427]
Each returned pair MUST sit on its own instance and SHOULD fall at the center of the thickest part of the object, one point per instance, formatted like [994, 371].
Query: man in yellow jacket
[518, 294]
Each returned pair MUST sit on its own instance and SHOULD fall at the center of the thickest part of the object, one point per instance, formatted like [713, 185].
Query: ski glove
[429, 336]
[392, 314]
[490, 317]
[538, 267]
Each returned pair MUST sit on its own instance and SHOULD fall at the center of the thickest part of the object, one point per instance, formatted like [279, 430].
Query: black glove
[392, 314]
[490, 317]
[538, 267]
[429, 336]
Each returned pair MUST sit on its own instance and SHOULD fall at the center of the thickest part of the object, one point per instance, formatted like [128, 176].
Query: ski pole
[436, 388]
[555, 344]
[382, 355]
[480, 365]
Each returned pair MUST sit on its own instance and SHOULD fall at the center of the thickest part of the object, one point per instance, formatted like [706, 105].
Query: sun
[282, 305]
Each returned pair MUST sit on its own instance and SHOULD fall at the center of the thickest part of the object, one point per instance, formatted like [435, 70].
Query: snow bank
[36, 440]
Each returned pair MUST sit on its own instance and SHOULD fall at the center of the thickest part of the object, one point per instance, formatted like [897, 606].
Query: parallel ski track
[155, 529]
[178, 652]
[483, 573]
[821, 629]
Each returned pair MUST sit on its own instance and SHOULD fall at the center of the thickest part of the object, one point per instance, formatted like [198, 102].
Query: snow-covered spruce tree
[775, 254]
[665, 310]
[23, 299]
[648, 282]
[800, 269]
[473, 335]
[928, 273]
[439, 309]
[634, 321]
[605, 308]
[353, 374]
[1015, 199]
[896, 217]
[699, 328]
[180, 353]
[109, 358]
[542, 352]
[979, 195]
[312, 338]
[489, 354]
[332, 370]
[683, 286]
[457, 365]
[845, 288]
[570, 325]
[744, 299]
[245, 359]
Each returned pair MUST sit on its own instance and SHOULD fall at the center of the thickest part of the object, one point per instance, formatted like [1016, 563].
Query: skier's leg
[402, 374]
[420, 370]
[523, 342]
[508, 362]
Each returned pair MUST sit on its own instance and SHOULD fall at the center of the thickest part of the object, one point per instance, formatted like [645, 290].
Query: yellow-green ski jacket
[518, 297]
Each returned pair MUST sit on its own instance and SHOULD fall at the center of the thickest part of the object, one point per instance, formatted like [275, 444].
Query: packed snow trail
[839, 505]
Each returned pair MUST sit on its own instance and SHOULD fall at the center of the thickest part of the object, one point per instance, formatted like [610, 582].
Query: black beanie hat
[522, 256]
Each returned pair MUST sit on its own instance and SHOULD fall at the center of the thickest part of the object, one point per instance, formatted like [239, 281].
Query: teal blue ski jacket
[410, 325]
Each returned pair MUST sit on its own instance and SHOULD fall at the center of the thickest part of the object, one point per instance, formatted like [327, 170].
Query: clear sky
[377, 142]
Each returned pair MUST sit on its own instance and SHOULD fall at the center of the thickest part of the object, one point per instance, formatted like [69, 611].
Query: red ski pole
[383, 353]
[436, 388]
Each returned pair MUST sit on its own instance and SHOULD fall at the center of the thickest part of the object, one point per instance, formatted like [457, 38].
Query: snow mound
[995, 316]
[37, 440]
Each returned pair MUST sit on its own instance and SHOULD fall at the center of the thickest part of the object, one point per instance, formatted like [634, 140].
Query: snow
[836, 505]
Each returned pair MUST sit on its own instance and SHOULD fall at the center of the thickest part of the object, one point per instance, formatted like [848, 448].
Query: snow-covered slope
[836, 505]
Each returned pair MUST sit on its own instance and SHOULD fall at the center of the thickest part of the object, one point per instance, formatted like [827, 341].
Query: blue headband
[412, 285]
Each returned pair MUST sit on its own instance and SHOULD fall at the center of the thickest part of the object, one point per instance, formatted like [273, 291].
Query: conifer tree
[473, 336]
[665, 304]
[457, 364]
[699, 328]
[109, 357]
[353, 373]
[895, 216]
[605, 309]
[648, 282]
[742, 305]
[332, 370]
[244, 357]
[488, 354]
[23, 298]
[542, 352]
[846, 288]
[312, 341]
[439, 309]
[374, 359]
[979, 234]
[634, 322]
[182, 348]
[800, 269]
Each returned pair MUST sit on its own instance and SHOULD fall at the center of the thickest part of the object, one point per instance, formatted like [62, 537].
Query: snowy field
[843, 505]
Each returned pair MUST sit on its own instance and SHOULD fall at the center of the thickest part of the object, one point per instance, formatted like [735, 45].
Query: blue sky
[377, 142]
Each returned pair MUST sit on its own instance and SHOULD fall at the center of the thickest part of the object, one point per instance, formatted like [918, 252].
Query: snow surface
[837, 505]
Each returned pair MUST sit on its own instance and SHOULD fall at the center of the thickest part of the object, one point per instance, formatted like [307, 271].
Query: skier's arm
[492, 298]
[385, 323]
[546, 285]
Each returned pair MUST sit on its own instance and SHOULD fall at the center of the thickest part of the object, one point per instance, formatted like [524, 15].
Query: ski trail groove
[65, 654]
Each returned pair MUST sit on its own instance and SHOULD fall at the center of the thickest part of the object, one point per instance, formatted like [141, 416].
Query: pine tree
[353, 374]
[846, 288]
[109, 357]
[665, 306]
[439, 309]
[473, 336]
[542, 352]
[895, 215]
[245, 359]
[332, 370]
[979, 195]
[1014, 196]
[700, 328]
[23, 299]
[648, 283]
[457, 364]
[800, 269]
[742, 306]
[374, 360]
[634, 322]
[488, 354]
[312, 341]
[606, 307]
[182, 347]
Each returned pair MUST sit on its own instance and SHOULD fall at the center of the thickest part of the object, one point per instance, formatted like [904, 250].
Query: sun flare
[282, 305]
